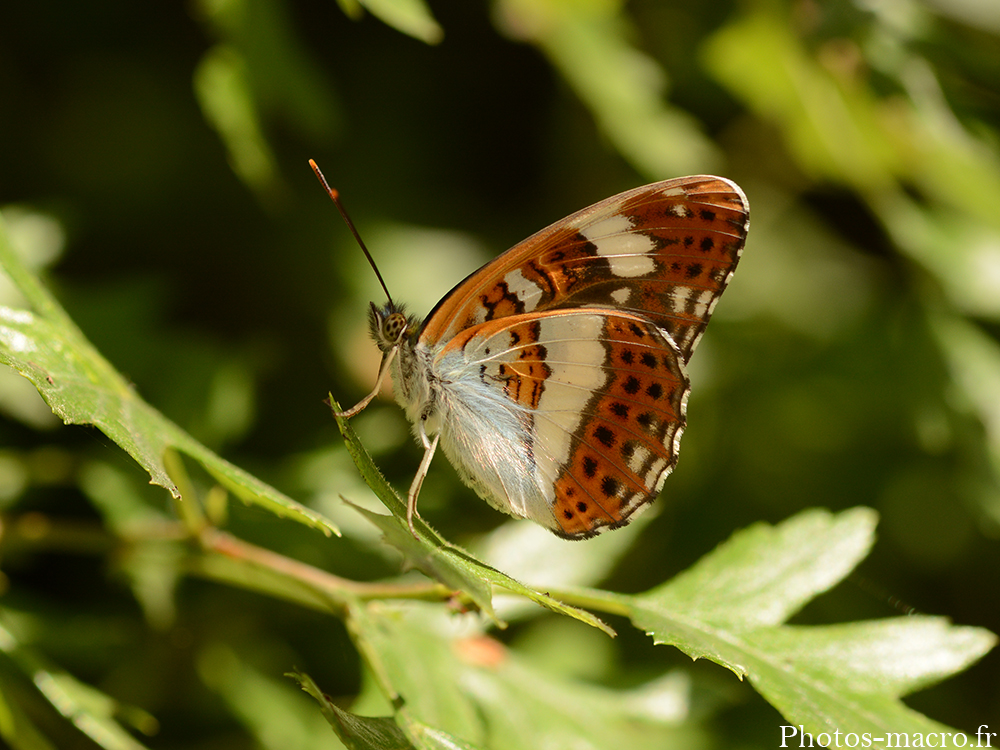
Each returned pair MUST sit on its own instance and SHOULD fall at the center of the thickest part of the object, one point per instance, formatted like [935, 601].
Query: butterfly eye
[393, 326]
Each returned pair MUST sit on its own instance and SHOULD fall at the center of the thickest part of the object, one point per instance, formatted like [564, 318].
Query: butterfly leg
[430, 445]
[383, 370]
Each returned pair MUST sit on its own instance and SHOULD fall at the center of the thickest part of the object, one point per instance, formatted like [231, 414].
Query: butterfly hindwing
[601, 397]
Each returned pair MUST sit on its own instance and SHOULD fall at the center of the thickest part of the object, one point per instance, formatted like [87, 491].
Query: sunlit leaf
[729, 608]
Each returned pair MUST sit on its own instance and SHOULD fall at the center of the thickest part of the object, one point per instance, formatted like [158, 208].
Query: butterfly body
[554, 377]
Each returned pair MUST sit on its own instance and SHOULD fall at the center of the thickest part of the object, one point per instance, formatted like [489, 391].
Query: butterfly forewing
[665, 251]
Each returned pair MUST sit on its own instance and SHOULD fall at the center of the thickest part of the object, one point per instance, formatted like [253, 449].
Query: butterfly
[554, 377]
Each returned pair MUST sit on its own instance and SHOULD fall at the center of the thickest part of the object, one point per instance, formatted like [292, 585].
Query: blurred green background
[154, 164]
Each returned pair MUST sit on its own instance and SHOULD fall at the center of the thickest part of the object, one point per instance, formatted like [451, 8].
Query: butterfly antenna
[335, 197]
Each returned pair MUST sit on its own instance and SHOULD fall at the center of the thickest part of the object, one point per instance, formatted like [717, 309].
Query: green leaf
[437, 559]
[489, 696]
[765, 573]
[380, 732]
[973, 357]
[729, 608]
[435, 556]
[430, 738]
[356, 732]
[852, 676]
[526, 551]
[411, 17]
[88, 709]
[82, 387]
[833, 131]
[17, 728]
[591, 45]
[887, 148]
[256, 75]
[275, 716]
[227, 101]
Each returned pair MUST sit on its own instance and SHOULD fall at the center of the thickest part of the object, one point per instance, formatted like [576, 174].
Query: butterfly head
[390, 324]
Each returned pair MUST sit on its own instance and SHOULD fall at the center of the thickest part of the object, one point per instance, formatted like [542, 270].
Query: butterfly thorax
[394, 330]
